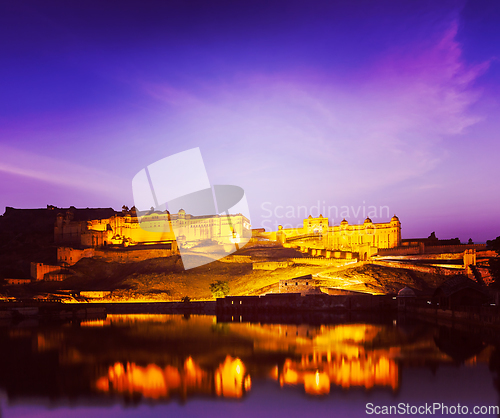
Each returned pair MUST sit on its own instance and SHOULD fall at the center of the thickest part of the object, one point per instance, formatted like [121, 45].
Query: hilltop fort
[103, 249]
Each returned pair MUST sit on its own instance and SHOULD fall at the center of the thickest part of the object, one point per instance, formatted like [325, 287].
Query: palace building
[129, 228]
[346, 237]
[351, 237]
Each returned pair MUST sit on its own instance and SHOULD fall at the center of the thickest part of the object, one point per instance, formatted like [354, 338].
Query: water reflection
[160, 357]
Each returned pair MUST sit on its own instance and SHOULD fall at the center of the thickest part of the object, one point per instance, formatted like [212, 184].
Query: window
[296, 283]
[307, 283]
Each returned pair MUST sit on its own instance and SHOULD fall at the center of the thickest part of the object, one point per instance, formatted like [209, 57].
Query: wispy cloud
[59, 172]
[171, 95]
[383, 125]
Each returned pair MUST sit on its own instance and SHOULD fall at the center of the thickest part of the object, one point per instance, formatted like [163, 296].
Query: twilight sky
[353, 105]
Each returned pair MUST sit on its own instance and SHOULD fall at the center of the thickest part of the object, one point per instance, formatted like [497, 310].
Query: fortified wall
[303, 285]
[70, 256]
[271, 265]
[449, 270]
[40, 271]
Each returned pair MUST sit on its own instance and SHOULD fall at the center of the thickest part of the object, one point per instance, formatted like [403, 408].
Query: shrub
[219, 289]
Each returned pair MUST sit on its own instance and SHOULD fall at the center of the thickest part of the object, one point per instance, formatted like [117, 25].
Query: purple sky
[350, 103]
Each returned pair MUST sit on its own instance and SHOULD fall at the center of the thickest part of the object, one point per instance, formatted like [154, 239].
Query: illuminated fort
[364, 239]
[130, 228]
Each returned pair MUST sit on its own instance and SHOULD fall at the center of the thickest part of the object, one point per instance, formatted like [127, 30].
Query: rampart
[450, 270]
[322, 261]
[486, 253]
[302, 285]
[420, 257]
[400, 251]
[39, 270]
[436, 249]
[322, 252]
[94, 294]
[430, 249]
[295, 302]
[271, 265]
[70, 256]
[131, 255]
[237, 259]
[56, 276]
[17, 281]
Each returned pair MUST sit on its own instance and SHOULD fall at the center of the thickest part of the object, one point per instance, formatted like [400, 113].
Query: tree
[219, 289]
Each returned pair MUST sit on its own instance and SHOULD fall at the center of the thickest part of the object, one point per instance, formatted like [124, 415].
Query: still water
[193, 366]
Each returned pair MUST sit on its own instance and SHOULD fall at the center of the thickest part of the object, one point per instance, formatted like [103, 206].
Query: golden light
[230, 380]
[316, 383]
[247, 383]
[235, 239]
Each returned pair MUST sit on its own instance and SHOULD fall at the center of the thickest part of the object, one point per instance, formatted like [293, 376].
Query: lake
[195, 365]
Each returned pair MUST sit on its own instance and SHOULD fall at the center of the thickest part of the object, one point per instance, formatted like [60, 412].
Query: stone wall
[56, 276]
[17, 281]
[311, 302]
[322, 252]
[453, 248]
[446, 271]
[298, 285]
[94, 294]
[237, 259]
[271, 265]
[399, 251]
[417, 257]
[322, 261]
[427, 249]
[70, 256]
[486, 253]
[131, 255]
[39, 270]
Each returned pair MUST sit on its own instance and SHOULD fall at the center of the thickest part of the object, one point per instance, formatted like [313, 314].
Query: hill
[164, 279]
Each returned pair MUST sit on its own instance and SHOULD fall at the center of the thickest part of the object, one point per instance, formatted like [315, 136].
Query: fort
[364, 239]
[128, 228]
[340, 257]
[361, 241]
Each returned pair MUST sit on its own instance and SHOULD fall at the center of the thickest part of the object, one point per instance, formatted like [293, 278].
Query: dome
[344, 222]
[368, 221]
[394, 219]
[406, 292]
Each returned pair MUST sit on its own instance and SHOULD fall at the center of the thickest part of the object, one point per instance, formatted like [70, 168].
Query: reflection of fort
[161, 357]
[328, 355]
[229, 380]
